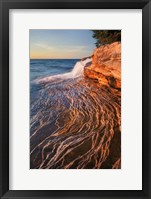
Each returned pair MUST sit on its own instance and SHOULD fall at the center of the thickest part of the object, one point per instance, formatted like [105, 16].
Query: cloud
[66, 48]
[73, 48]
[44, 46]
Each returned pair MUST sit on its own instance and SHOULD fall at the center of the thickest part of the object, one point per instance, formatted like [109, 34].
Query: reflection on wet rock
[75, 124]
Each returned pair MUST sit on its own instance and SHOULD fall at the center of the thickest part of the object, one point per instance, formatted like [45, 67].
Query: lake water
[74, 120]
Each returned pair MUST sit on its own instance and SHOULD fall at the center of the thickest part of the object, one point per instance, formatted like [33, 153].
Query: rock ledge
[106, 65]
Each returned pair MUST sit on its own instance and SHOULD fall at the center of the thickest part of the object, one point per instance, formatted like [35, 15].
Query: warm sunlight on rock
[106, 65]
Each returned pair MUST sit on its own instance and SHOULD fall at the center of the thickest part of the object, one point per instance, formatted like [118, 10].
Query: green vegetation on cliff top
[106, 36]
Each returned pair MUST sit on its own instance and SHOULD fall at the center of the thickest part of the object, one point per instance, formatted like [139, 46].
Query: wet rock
[106, 65]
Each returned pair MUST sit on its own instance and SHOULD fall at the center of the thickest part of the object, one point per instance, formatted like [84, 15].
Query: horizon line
[55, 58]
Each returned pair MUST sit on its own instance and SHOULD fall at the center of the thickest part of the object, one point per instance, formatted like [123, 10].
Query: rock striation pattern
[75, 122]
[106, 65]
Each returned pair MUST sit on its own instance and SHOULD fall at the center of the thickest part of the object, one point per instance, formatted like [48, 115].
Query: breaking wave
[75, 123]
[76, 72]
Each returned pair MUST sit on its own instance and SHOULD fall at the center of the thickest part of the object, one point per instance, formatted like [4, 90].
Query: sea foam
[76, 72]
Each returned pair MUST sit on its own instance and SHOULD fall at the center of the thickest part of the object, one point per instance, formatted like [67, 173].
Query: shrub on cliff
[106, 36]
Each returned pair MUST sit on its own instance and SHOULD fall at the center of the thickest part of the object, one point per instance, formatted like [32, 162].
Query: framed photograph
[75, 99]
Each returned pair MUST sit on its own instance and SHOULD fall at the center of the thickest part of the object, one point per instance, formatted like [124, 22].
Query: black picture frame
[5, 5]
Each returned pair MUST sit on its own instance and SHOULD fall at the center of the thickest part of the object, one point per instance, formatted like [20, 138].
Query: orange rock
[106, 65]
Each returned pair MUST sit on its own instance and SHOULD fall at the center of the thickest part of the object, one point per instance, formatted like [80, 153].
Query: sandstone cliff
[106, 65]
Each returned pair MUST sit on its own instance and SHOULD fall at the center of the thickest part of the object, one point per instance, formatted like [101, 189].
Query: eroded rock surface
[106, 65]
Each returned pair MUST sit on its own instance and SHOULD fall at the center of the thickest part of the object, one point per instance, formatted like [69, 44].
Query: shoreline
[77, 123]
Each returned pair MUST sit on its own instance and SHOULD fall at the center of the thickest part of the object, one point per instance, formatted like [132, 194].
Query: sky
[61, 44]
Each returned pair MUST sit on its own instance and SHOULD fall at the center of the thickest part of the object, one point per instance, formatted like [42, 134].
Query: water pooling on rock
[75, 123]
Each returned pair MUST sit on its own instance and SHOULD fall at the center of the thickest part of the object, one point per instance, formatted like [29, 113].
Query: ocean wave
[76, 125]
[76, 72]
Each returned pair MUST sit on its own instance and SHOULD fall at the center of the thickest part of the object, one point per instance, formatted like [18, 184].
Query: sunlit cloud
[77, 47]
[74, 47]
[47, 44]
[44, 46]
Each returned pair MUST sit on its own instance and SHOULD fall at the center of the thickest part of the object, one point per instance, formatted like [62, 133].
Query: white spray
[76, 72]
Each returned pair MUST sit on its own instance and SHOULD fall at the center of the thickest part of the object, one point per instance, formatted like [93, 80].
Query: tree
[106, 36]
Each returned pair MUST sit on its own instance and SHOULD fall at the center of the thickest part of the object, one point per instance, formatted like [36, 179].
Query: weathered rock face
[106, 65]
